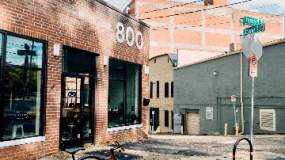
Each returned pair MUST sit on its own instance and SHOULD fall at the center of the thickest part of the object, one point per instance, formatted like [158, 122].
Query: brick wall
[83, 24]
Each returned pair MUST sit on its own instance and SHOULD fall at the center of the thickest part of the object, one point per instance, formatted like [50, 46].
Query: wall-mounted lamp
[56, 49]
[215, 73]
[146, 101]
[146, 69]
[106, 60]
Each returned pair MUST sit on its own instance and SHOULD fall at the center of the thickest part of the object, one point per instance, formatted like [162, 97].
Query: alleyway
[178, 147]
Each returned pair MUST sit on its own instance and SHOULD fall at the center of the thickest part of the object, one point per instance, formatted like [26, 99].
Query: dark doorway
[77, 98]
[154, 118]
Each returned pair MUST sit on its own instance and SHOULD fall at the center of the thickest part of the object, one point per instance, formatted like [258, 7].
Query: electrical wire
[237, 20]
[188, 26]
[178, 5]
[200, 10]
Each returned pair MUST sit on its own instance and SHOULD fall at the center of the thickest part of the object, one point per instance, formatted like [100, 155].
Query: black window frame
[172, 120]
[172, 89]
[166, 118]
[125, 98]
[151, 90]
[157, 89]
[44, 73]
[166, 89]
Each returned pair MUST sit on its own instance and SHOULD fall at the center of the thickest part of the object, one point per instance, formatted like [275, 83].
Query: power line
[178, 5]
[221, 16]
[188, 26]
[200, 10]
[192, 26]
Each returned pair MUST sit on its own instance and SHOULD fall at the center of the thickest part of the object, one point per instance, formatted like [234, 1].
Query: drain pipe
[241, 94]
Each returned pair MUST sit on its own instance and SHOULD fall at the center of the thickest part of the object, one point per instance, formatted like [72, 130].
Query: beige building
[161, 92]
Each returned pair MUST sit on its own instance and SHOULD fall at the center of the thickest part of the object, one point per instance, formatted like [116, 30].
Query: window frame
[151, 90]
[171, 89]
[166, 118]
[166, 89]
[125, 98]
[157, 89]
[44, 78]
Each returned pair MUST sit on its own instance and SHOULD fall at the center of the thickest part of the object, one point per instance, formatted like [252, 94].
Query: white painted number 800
[129, 35]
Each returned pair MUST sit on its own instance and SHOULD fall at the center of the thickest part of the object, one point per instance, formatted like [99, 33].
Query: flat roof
[271, 43]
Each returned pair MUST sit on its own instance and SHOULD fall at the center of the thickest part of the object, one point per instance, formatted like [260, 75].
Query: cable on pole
[200, 10]
[178, 5]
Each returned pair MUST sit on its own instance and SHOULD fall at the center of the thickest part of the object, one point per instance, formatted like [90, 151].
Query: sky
[276, 7]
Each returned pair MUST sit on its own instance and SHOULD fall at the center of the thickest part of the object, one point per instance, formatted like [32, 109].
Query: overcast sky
[276, 7]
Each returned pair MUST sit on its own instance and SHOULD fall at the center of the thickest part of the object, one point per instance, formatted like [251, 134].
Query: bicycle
[112, 155]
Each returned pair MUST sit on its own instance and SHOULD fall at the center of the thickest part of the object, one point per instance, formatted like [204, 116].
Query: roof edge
[268, 44]
[121, 12]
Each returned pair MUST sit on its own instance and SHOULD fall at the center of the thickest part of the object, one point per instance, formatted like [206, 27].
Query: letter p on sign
[252, 66]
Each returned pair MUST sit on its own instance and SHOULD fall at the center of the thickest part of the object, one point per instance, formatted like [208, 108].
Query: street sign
[252, 68]
[256, 25]
[247, 20]
[252, 49]
[251, 45]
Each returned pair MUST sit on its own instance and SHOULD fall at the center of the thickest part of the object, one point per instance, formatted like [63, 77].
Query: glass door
[76, 111]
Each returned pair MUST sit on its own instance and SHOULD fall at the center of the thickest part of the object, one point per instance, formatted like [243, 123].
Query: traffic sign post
[233, 100]
[252, 49]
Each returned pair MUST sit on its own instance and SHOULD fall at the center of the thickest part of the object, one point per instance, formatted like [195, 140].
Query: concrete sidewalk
[180, 147]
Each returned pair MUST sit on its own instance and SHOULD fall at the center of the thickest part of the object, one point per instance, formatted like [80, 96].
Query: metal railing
[237, 143]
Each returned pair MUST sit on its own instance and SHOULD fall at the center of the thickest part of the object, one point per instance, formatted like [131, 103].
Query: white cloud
[268, 6]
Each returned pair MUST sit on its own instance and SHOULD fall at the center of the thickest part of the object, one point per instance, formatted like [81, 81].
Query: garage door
[193, 123]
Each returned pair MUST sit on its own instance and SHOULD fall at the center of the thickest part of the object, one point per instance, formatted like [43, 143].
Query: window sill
[121, 128]
[22, 141]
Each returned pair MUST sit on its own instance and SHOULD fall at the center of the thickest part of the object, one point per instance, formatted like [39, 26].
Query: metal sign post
[252, 49]
[252, 109]
[233, 99]
[252, 71]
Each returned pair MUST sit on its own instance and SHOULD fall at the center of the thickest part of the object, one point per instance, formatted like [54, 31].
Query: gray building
[202, 102]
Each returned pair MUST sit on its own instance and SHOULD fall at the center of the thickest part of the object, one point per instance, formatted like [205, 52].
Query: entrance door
[154, 118]
[76, 117]
[193, 123]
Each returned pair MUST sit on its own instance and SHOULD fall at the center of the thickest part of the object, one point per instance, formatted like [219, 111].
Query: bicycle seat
[74, 150]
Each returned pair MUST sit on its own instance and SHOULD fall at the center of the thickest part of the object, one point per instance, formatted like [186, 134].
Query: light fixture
[215, 73]
[56, 49]
[146, 69]
[106, 60]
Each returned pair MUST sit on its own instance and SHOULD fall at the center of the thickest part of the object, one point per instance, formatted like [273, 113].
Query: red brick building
[71, 72]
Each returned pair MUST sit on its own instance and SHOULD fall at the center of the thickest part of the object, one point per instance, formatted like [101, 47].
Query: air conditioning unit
[267, 119]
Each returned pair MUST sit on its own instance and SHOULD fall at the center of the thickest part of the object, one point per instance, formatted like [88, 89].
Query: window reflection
[124, 94]
[20, 112]
[1, 54]
[23, 52]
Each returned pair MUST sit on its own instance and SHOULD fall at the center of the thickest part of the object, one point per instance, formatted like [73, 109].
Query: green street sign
[257, 25]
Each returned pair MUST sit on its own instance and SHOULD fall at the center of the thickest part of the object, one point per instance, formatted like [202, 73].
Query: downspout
[241, 94]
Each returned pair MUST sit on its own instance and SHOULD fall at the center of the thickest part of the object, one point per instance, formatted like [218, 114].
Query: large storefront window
[1, 54]
[124, 94]
[22, 89]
